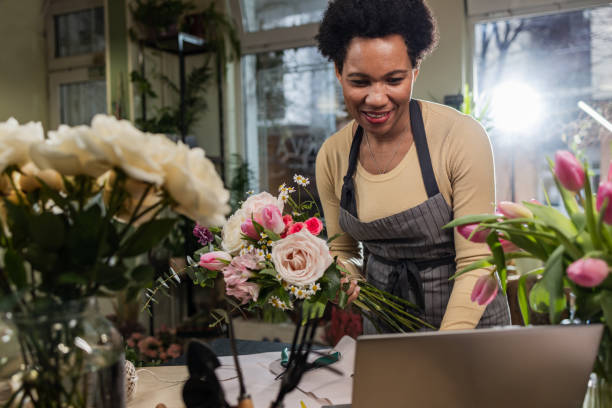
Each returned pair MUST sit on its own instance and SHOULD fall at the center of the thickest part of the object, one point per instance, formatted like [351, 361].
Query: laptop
[509, 367]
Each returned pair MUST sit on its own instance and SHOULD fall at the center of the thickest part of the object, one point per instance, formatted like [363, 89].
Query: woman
[402, 168]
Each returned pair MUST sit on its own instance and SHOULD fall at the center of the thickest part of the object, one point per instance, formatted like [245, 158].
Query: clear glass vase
[72, 357]
[599, 393]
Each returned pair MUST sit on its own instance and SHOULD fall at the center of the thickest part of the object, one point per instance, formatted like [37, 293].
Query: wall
[23, 80]
[443, 72]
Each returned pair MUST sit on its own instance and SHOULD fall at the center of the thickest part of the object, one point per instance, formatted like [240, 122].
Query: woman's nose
[377, 96]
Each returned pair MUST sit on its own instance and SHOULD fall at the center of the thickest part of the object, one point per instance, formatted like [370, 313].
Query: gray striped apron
[409, 254]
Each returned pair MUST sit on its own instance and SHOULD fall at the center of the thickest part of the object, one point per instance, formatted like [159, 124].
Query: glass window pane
[81, 32]
[530, 73]
[80, 101]
[292, 104]
[267, 14]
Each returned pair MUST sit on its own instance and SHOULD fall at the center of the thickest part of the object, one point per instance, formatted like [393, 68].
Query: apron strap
[347, 196]
[420, 142]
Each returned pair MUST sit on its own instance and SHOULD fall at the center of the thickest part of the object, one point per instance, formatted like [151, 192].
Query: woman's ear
[415, 74]
[338, 73]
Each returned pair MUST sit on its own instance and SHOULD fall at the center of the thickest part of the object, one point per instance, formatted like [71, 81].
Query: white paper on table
[318, 387]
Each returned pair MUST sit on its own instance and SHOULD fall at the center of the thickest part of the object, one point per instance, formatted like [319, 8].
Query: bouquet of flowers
[271, 256]
[575, 250]
[76, 210]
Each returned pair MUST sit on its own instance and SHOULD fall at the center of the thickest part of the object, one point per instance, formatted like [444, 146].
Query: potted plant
[158, 18]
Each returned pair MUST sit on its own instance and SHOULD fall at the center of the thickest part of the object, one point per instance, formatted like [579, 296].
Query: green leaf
[552, 218]
[13, 265]
[73, 278]
[499, 258]
[47, 230]
[143, 273]
[268, 271]
[147, 236]
[17, 221]
[579, 220]
[523, 300]
[330, 282]
[553, 281]
[539, 299]
[272, 235]
[471, 219]
[312, 310]
[606, 307]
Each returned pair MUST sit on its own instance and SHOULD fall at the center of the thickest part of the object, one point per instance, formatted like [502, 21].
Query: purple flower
[203, 235]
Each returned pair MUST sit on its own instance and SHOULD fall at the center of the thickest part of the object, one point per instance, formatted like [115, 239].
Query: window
[76, 61]
[545, 65]
[260, 15]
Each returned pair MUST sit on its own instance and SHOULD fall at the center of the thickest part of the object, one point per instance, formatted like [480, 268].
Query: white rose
[28, 180]
[124, 146]
[301, 258]
[193, 182]
[71, 151]
[255, 203]
[135, 190]
[15, 142]
[231, 234]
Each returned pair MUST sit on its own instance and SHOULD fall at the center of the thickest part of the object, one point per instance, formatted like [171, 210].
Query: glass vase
[599, 390]
[72, 357]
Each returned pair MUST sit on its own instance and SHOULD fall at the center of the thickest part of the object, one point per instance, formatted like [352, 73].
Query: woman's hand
[352, 292]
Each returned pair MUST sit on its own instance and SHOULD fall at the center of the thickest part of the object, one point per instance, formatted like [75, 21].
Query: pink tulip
[534, 201]
[271, 218]
[508, 246]
[513, 210]
[485, 290]
[212, 260]
[569, 171]
[249, 230]
[588, 272]
[479, 236]
[314, 225]
[605, 191]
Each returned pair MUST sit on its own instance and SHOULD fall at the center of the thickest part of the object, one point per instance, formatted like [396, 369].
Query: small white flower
[314, 287]
[282, 188]
[300, 180]
[300, 293]
[263, 235]
[283, 196]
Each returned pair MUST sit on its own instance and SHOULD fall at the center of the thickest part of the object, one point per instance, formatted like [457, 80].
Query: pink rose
[212, 260]
[270, 218]
[588, 272]
[467, 230]
[314, 225]
[236, 276]
[149, 346]
[257, 202]
[295, 227]
[301, 258]
[248, 229]
[174, 350]
[485, 290]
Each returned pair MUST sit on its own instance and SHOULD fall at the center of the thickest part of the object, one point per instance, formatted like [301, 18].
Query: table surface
[164, 384]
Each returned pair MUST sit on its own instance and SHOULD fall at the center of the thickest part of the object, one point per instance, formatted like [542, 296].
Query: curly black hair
[345, 19]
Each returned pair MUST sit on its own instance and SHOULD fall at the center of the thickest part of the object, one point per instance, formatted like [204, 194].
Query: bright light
[515, 108]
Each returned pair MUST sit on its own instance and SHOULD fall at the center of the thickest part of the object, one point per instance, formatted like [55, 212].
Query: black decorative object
[202, 389]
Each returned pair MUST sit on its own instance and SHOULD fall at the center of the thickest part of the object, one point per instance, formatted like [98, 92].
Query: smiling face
[377, 79]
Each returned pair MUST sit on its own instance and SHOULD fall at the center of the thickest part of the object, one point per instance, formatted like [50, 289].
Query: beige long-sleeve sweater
[462, 160]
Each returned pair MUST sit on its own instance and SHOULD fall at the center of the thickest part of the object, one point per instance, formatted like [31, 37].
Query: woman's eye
[395, 80]
[359, 82]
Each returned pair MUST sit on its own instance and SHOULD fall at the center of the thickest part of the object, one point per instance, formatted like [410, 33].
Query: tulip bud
[249, 230]
[479, 236]
[508, 246]
[485, 290]
[212, 260]
[513, 210]
[534, 201]
[588, 272]
[569, 171]
[605, 191]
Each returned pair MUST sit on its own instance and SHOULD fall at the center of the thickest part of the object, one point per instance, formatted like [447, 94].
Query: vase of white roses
[77, 209]
[575, 250]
